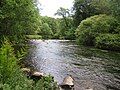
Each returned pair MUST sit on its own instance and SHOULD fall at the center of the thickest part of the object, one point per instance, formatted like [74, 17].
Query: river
[90, 67]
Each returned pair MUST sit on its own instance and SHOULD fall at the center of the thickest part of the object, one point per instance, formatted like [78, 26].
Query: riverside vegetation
[12, 78]
[93, 23]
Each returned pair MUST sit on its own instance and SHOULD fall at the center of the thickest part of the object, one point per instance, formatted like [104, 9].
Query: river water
[90, 67]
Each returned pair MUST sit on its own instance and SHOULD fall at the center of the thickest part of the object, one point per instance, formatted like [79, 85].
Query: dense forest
[89, 22]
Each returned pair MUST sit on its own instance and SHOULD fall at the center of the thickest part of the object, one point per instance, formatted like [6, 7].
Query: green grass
[33, 37]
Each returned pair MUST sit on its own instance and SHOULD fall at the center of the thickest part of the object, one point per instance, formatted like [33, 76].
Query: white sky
[50, 7]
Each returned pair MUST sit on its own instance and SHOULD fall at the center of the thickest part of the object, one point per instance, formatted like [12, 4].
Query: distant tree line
[21, 18]
[93, 23]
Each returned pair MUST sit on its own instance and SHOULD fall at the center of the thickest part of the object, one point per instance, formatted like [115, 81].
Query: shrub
[46, 83]
[108, 41]
[8, 61]
[46, 31]
[91, 27]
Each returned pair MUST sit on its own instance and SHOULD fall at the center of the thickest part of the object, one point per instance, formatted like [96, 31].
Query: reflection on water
[90, 67]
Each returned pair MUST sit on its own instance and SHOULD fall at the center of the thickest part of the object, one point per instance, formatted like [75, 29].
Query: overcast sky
[51, 6]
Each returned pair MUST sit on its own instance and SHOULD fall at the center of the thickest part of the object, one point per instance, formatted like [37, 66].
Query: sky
[50, 7]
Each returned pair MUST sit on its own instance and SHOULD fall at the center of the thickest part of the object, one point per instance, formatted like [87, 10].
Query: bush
[46, 31]
[8, 61]
[46, 83]
[108, 41]
[91, 27]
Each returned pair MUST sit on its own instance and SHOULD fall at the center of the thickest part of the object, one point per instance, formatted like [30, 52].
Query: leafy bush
[108, 41]
[46, 31]
[8, 61]
[46, 83]
[91, 27]
[70, 34]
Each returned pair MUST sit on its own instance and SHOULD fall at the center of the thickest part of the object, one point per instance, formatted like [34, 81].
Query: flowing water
[90, 67]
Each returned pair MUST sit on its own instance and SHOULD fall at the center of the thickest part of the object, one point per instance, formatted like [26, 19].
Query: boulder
[36, 75]
[67, 82]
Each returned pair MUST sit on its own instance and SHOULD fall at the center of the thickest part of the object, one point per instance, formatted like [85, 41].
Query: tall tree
[66, 29]
[51, 22]
[87, 8]
[115, 7]
[17, 18]
[64, 13]
[46, 31]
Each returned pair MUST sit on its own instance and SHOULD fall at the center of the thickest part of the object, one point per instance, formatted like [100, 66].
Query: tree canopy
[18, 18]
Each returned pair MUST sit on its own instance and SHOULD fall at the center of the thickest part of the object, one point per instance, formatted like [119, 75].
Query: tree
[18, 18]
[86, 8]
[64, 13]
[46, 31]
[115, 7]
[92, 27]
[51, 22]
[66, 29]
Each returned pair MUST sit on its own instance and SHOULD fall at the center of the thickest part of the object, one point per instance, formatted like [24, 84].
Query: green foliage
[65, 24]
[63, 31]
[11, 77]
[115, 8]
[64, 13]
[46, 31]
[86, 8]
[46, 83]
[52, 22]
[69, 34]
[19, 81]
[8, 61]
[108, 41]
[91, 27]
[17, 18]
